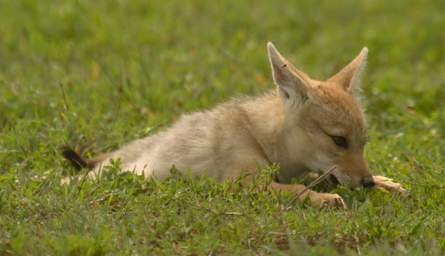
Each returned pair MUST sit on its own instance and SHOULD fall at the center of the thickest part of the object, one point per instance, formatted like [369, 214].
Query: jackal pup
[304, 124]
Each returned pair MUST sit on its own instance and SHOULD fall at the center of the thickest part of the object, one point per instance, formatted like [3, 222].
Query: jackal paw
[389, 184]
[327, 200]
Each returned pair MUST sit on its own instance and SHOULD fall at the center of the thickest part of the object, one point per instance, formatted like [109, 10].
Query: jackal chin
[353, 180]
[343, 178]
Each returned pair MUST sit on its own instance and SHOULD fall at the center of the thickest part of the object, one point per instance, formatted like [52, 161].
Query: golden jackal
[304, 124]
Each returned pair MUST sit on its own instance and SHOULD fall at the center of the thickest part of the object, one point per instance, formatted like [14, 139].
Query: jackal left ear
[291, 82]
[349, 77]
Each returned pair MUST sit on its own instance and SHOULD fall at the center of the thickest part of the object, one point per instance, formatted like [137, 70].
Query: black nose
[368, 183]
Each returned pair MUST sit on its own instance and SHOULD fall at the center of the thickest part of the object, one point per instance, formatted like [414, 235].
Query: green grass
[77, 72]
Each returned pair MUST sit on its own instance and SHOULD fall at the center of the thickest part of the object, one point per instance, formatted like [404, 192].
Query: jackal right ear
[349, 77]
[292, 83]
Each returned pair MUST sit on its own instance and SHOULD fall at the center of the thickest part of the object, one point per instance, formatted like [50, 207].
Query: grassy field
[97, 74]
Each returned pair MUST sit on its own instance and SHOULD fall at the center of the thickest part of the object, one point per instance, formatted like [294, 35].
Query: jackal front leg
[321, 200]
[389, 184]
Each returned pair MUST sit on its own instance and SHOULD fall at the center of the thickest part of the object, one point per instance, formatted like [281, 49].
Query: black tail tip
[73, 157]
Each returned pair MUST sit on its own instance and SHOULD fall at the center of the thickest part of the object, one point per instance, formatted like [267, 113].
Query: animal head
[326, 116]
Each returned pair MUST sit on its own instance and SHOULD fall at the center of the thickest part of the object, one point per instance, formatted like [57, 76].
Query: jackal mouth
[333, 180]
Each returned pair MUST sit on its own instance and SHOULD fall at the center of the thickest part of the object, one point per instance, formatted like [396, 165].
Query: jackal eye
[340, 141]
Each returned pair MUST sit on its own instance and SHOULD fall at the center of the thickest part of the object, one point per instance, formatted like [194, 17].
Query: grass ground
[76, 72]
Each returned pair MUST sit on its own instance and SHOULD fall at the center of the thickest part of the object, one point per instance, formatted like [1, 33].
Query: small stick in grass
[311, 185]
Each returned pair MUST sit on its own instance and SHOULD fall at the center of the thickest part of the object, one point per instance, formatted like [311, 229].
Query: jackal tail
[76, 159]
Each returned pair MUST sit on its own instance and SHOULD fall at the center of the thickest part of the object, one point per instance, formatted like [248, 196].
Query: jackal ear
[349, 77]
[292, 83]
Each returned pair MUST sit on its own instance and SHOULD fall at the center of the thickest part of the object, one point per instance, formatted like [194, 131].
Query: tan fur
[290, 126]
